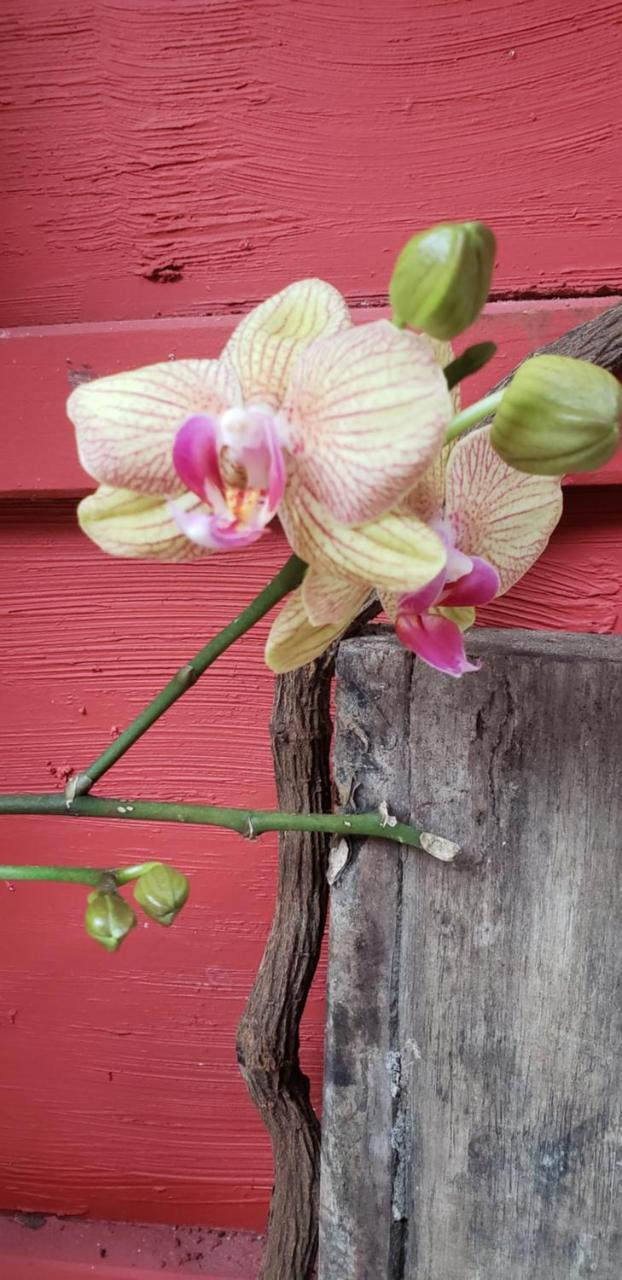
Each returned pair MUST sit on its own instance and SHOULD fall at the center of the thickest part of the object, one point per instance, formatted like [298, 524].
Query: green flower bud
[108, 919]
[441, 279]
[558, 415]
[161, 892]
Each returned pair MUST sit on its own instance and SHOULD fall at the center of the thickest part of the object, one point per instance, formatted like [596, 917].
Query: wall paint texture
[165, 166]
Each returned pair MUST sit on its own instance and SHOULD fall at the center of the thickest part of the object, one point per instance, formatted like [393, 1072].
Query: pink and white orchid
[304, 414]
[494, 522]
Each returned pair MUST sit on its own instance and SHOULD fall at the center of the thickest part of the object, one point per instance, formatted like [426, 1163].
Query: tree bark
[268, 1036]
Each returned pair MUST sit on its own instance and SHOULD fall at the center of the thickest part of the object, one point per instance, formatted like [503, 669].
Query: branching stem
[289, 577]
[247, 822]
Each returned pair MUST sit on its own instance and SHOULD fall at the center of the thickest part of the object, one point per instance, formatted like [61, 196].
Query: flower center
[236, 465]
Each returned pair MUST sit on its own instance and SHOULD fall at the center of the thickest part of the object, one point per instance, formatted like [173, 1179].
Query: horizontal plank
[16, 1268]
[173, 159]
[33, 1247]
[38, 367]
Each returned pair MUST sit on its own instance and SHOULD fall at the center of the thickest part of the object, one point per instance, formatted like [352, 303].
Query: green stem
[289, 577]
[76, 875]
[247, 822]
[70, 875]
[475, 412]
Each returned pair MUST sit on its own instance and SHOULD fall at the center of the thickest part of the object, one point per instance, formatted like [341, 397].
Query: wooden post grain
[471, 1114]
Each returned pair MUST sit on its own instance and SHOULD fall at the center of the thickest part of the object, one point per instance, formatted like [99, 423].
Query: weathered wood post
[471, 1092]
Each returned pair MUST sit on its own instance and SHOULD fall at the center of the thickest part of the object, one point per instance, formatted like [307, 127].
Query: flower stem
[475, 412]
[289, 577]
[76, 875]
[247, 822]
[70, 875]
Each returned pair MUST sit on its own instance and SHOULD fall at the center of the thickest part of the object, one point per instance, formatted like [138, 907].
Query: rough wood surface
[473, 1031]
[268, 1041]
[185, 158]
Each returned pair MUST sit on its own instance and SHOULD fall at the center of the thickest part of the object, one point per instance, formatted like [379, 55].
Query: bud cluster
[161, 893]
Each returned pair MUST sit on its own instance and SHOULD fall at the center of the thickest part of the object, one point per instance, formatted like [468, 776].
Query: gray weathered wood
[472, 1099]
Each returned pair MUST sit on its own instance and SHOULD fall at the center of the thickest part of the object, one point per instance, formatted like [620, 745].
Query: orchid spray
[351, 435]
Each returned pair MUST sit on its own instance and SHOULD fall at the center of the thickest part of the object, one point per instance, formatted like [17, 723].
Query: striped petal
[503, 515]
[267, 342]
[126, 423]
[124, 523]
[294, 641]
[427, 498]
[327, 598]
[367, 411]
[396, 552]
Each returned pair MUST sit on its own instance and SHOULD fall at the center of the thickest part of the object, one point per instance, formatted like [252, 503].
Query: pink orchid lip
[250, 441]
[414, 602]
[480, 586]
[213, 532]
[437, 641]
[195, 456]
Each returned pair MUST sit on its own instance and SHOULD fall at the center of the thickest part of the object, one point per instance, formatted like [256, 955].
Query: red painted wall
[166, 165]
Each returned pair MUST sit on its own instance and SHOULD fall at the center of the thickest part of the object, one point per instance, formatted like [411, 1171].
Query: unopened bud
[162, 892]
[108, 919]
[441, 279]
[558, 415]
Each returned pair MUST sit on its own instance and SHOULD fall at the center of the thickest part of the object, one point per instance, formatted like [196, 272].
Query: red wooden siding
[165, 165]
[181, 158]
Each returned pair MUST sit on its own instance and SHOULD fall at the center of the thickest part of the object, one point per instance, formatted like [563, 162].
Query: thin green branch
[289, 577]
[77, 875]
[69, 875]
[247, 822]
[475, 412]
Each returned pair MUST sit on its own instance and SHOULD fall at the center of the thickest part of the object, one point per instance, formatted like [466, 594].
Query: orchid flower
[304, 414]
[494, 522]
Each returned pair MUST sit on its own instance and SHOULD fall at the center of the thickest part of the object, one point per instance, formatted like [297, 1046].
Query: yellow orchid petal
[427, 498]
[503, 515]
[124, 523]
[126, 423]
[294, 641]
[398, 552]
[267, 342]
[389, 602]
[368, 410]
[327, 598]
